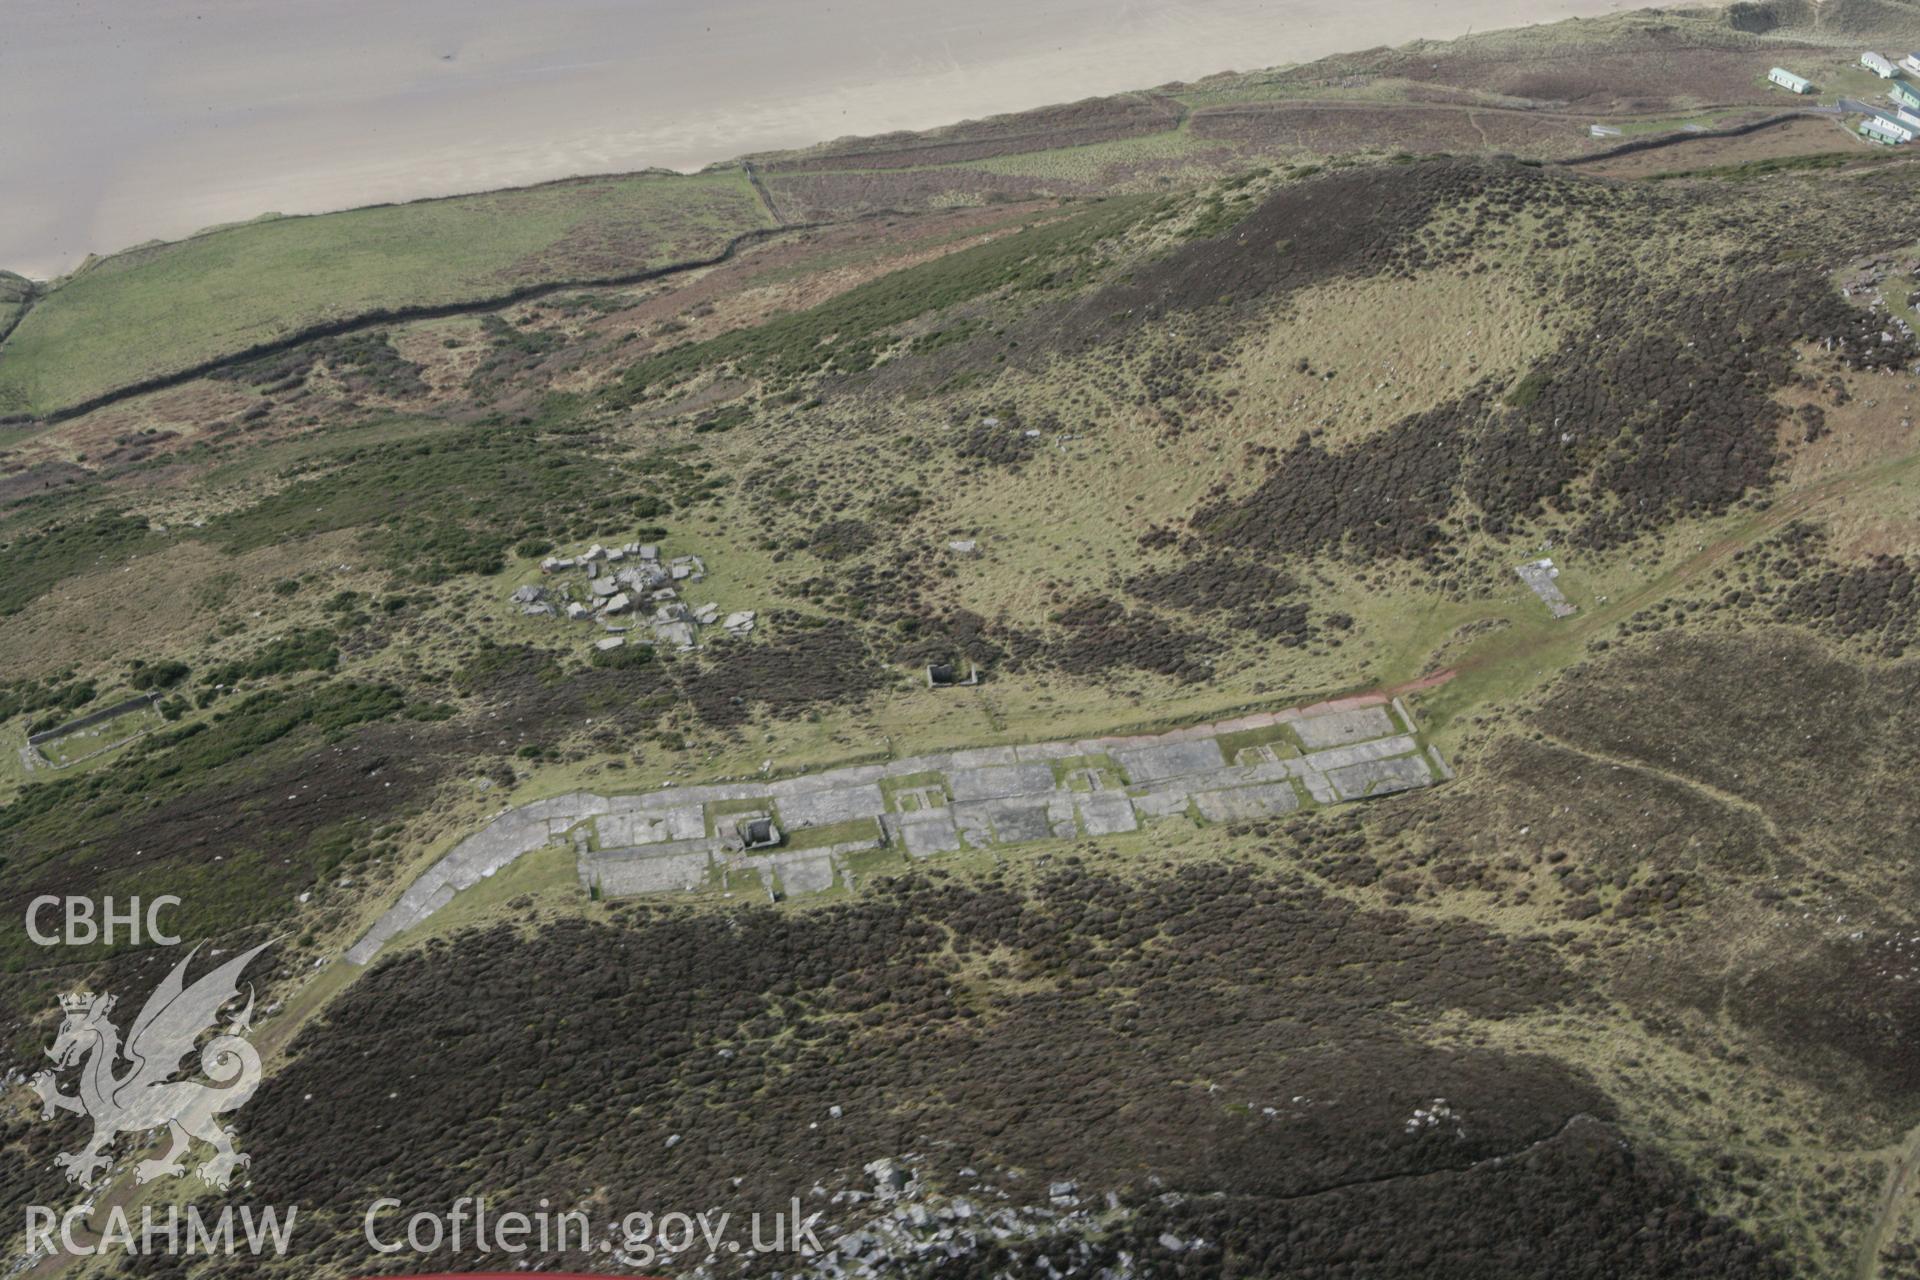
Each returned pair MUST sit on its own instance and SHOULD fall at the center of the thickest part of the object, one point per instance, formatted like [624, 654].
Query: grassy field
[153, 311]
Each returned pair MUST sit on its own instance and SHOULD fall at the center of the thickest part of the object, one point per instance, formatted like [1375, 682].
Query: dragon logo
[144, 1095]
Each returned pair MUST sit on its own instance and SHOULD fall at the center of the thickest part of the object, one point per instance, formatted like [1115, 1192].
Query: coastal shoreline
[448, 101]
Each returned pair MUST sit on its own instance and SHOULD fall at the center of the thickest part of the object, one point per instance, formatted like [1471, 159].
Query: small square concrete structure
[758, 832]
[944, 675]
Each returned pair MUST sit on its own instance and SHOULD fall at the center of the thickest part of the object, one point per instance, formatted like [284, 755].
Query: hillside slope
[1632, 993]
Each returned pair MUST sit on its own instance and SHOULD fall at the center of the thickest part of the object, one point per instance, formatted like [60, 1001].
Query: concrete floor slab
[824, 808]
[974, 820]
[1016, 821]
[1162, 802]
[1003, 780]
[657, 840]
[1341, 757]
[618, 877]
[1169, 760]
[1380, 777]
[929, 834]
[1105, 813]
[1338, 728]
[805, 873]
[1241, 804]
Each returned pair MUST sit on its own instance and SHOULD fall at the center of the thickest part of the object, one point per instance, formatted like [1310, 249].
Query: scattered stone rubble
[1871, 282]
[625, 589]
[901, 1225]
[709, 837]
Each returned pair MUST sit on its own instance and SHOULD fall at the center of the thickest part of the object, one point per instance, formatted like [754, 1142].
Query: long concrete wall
[92, 718]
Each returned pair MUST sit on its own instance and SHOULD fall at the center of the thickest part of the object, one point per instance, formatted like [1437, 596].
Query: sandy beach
[303, 105]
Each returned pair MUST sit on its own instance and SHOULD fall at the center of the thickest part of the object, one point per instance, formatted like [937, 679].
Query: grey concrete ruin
[757, 832]
[1539, 576]
[809, 833]
[623, 580]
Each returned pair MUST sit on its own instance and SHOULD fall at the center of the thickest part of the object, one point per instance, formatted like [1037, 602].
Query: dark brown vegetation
[1385, 497]
[1070, 1030]
[1792, 577]
[1363, 220]
[814, 662]
[1659, 405]
[1254, 596]
[1100, 634]
[1581, 1205]
[364, 363]
[1806, 755]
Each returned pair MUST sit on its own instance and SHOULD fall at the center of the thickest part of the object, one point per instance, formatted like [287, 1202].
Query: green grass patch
[159, 309]
[59, 696]
[862, 865]
[1219, 214]
[1064, 771]
[1528, 389]
[306, 649]
[833, 833]
[113, 732]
